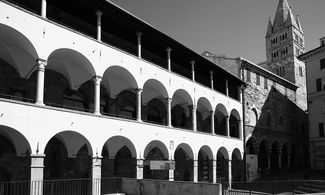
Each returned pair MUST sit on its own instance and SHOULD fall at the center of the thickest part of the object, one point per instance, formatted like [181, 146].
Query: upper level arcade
[115, 66]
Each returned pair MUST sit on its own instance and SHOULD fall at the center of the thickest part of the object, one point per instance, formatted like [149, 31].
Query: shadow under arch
[183, 163]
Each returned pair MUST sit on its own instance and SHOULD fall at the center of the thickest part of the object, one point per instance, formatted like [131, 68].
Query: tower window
[300, 71]
[320, 84]
[248, 76]
[265, 83]
[322, 63]
[258, 79]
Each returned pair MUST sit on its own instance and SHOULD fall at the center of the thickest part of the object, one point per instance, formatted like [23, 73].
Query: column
[195, 170]
[279, 158]
[193, 70]
[211, 79]
[194, 118]
[99, 25]
[212, 122]
[139, 92]
[96, 175]
[168, 58]
[139, 168]
[227, 126]
[97, 80]
[40, 81]
[171, 171]
[229, 173]
[139, 34]
[268, 159]
[169, 112]
[240, 94]
[43, 9]
[36, 174]
[214, 171]
[289, 160]
[227, 89]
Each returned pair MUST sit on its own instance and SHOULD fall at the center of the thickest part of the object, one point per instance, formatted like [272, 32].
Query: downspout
[243, 105]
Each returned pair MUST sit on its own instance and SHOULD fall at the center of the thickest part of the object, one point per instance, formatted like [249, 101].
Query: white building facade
[315, 64]
[74, 105]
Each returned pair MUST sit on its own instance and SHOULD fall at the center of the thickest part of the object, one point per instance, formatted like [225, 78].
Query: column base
[39, 103]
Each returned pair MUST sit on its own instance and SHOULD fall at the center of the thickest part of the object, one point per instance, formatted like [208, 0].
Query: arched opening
[234, 127]
[220, 120]
[181, 109]
[121, 86]
[68, 156]
[183, 163]
[119, 158]
[222, 165]
[17, 66]
[293, 157]
[263, 156]
[203, 115]
[205, 165]
[69, 81]
[275, 155]
[154, 98]
[251, 146]
[236, 166]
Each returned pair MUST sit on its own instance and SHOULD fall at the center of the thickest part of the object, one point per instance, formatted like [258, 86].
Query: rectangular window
[321, 129]
[319, 84]
[248, 76]
[323, 106]
[265, 83]
[322, 63]
[300, 71]
[258, 82]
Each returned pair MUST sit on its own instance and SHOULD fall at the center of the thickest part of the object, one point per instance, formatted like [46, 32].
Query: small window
[258, 82]
[321, 129]
[248, 76]
[322, 63]
[319, 84]
[300, 71]
[265, 83]
[323, 106]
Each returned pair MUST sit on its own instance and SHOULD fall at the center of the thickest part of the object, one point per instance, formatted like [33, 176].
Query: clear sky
[231, 27]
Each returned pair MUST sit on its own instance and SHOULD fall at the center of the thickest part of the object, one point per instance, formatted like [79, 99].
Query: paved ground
[300, 174]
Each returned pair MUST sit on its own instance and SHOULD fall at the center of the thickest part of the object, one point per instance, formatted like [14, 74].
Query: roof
[311, 53]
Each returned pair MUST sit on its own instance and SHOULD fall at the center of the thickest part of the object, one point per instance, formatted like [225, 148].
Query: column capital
[139, 34]
[168, 49]
[227, 117]
[41, 63]
[211, 72]
[97, 78]
[212, 112]
[138, 90]
[169, 99]
[99, 13]
[192, 62]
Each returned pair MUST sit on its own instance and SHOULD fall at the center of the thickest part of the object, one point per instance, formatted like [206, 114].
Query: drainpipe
[244, 127]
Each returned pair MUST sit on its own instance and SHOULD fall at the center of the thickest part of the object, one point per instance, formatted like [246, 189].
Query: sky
[235, 28]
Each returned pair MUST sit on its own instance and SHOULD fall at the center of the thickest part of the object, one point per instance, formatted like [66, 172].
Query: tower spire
[269, 28]
[281, 15]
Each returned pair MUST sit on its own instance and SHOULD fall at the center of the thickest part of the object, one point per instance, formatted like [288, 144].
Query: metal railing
[276, 187]
[62, 187]
[17, 98]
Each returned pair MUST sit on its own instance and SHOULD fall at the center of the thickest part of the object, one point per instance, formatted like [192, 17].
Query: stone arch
[252, 146]
[205, 166]
[14, 155]
[263, 154]
[73, 65]
[155, 151]
[236, 165]
[252, 117]
[220, 119]
[117, 79]
[181, 109]
[275, 155]
[203, 115]
[183, 163]
[63, 151]
[154, 98]
[17, 50]
[222, 165]
[234, 124]
[119, 158]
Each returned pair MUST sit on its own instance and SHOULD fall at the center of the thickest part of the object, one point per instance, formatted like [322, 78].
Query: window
[296, 36]
[322, 42]
[265, 83]
[258, 82]
[300, 41]
[268, 119]
[321, 129]
[322, 63]
[248, 76]
[323, 106]
[320, 84]
[300, 71]
[281, 121]
[297, 51]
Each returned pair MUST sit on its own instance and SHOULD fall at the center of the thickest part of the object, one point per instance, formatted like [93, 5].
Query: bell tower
[284, 43]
